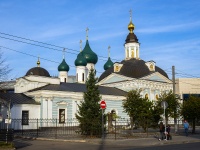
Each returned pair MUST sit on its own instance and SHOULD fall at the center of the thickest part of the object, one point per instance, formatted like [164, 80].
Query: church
[39, 95]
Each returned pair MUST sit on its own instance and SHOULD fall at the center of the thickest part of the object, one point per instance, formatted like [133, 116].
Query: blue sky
[168, 30]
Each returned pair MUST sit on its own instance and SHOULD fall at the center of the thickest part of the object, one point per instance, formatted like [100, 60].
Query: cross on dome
[87, 29]
[63, 53]
[80, 45]
[109, 51]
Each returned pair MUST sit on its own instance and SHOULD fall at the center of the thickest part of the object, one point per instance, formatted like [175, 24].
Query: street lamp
[164, 104]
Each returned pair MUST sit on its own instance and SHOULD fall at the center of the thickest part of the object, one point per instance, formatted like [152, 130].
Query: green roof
[80, 60]
[63, 66]
[89, 55]
[108, 64]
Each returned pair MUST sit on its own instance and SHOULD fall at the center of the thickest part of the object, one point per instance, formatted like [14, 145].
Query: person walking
[186, 127]
[161, 129]
[169, 137]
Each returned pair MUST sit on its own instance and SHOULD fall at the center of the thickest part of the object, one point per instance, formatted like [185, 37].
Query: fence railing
[52, 128]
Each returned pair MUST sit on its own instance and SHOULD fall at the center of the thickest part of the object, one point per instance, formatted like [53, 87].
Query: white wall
[16, 113]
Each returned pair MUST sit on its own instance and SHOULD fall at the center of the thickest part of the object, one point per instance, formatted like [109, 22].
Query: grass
[6, 145]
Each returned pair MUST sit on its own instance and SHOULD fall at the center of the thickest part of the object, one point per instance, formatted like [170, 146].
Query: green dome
[80, 60]
[63, 66]
[90, 56]
[108, 64]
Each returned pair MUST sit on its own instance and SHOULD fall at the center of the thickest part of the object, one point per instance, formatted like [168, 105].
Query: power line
[41, 43]
[37, 57]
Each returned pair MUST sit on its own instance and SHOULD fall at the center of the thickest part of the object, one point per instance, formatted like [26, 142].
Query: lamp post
[164, 104]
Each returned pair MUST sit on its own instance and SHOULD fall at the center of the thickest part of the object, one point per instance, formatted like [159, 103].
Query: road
[59, 145]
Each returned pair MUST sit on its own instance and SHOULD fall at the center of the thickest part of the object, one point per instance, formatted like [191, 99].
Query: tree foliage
[89, 113]
[190, 110]
[140, 110]
[172, 109]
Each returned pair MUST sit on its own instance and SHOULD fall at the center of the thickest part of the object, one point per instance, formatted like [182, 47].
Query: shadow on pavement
[21, 143]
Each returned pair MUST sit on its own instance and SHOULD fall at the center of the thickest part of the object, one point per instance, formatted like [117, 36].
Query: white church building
[38, 95]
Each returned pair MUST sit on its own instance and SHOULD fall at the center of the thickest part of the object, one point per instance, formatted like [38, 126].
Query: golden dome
[131, 27]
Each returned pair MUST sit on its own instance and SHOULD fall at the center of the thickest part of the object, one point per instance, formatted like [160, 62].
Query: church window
[61, 115]
[151, 67]
[137, 55]
[83, 77]
[65, 80]
[157, 97]
[146, 96]
[117, 68]
[25, 117]
[132, 54]
[77, 77]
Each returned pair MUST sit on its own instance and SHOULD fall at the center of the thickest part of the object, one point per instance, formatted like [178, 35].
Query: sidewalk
[134, 142]
[150, 141]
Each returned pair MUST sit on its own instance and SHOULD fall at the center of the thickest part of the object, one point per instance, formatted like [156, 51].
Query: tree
[146, 114]
[89, 113]
[4, 68]
[140, 110]
[173, 105]
[190, 110]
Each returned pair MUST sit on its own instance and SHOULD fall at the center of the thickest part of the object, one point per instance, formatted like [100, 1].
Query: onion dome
[80, 60]
[131, 27]
[108, 64]
[134, 68]
[89, 55]
[131, 38]
[63, 66]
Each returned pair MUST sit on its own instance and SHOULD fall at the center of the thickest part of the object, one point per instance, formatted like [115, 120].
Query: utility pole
[174, 92]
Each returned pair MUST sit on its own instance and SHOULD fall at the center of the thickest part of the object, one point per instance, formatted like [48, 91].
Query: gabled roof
[77, 87]
[17, 98]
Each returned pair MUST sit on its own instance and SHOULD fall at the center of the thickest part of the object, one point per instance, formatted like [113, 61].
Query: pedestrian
[161, 129]
[168, 135]
[186, 127]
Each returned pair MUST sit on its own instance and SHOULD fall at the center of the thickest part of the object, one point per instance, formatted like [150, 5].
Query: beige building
[187, 86]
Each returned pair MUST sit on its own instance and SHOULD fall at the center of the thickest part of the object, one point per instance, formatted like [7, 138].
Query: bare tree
[4, 68]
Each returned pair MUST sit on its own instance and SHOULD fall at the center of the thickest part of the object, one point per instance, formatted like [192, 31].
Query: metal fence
[51, 128]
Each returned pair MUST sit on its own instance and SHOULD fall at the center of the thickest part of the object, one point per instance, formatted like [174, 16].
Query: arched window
[65, 80]
[132, 53]
[77, 77]
[83, 77]
[157, 97]
[146, 96]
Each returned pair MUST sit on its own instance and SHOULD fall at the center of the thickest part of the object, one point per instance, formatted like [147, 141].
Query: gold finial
[38, 62]
[87, 29]
[80, 45]
[109, 51]
[131, 25]
[63, 53]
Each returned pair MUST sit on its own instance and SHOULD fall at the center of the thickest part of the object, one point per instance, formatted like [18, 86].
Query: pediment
[21, 82]
[157, 77]
[112, 78]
